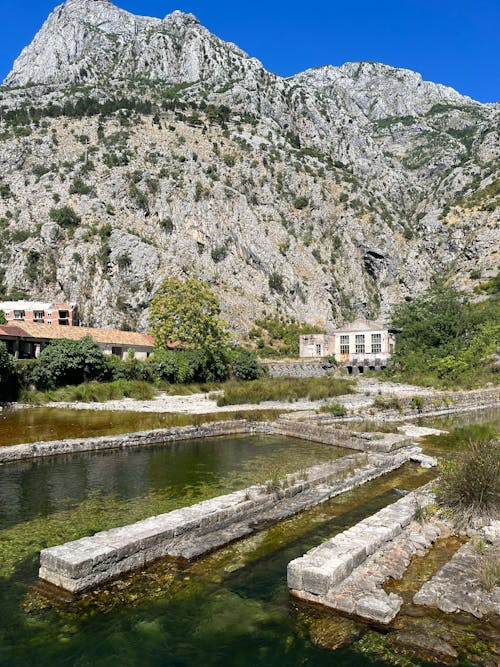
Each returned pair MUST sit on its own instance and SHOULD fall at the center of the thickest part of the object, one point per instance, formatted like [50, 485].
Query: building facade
[27, 340]
[358, 346]
[40, 312]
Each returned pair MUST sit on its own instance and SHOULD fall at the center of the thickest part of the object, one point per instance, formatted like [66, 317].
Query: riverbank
[371, 398]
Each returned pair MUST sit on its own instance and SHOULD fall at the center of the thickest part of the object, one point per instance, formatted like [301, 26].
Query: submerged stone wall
[346, 572]
[192, 531]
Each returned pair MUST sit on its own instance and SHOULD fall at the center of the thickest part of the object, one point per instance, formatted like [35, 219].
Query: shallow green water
[229, 608]
[34, 424]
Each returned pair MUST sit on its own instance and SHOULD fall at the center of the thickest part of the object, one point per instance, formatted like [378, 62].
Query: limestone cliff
[331, 193]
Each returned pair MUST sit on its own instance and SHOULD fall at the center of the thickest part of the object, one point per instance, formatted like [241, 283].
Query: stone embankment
[192, 531]
[298, 368]
[446, 590]
[282, 427]
[347, 572]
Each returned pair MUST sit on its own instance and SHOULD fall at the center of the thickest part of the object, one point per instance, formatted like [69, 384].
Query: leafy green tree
[187, 311]
[9, 380]
[244, 365]
[437, 318]
[445, 340]
[2, 317]
[66, 362]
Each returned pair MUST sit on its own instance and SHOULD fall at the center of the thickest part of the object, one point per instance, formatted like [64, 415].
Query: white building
[357, 346]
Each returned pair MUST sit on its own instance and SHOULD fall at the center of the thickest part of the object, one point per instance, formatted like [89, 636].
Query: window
[38, 315]
[118, 351]
[344, 345]
[360, 343]
[376, 343]
[318, 350]
[19, 314]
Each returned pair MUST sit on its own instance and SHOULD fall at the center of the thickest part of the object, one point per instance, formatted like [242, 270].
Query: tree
[69, 362]
[9, 381]
[437, 318]
[187, 311]
[2, 317]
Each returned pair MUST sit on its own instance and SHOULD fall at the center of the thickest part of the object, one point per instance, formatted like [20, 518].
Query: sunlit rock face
[330, 194]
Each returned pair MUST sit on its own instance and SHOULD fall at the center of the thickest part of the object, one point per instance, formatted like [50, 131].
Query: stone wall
[192, 531]
[306, 431]
[442, 402]
[298, 369]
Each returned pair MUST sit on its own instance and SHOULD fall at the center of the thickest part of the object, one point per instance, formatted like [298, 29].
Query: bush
[129, 368]
[445, 340]
[69, 362]
[9, 379]
[276, 283]
[469, 483]
[65, 216]
[181, 367]
[244, 365]
[281, 334]
[336, 409]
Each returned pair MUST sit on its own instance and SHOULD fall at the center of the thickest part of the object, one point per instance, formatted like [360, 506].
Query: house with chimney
[359, 346]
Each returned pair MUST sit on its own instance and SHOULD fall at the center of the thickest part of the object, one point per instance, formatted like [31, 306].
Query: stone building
[358, 346]
[26, 340]
[41, 312]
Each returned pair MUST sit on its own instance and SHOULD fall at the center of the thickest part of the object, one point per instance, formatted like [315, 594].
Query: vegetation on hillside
[446, 340]
[278, 335]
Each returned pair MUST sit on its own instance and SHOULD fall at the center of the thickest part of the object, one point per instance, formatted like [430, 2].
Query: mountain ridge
[332, 193]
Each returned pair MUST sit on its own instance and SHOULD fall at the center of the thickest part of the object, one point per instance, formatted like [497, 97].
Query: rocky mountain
[134, 148]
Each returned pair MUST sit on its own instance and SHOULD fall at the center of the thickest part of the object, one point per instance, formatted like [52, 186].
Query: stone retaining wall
[298, 369]
[443, 402]
[191, 531]
[330, 436]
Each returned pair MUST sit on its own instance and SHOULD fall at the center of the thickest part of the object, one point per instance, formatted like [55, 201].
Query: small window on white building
[318, 350]
[360, 343]
[19, 314]
[344, 345]
[376, 343]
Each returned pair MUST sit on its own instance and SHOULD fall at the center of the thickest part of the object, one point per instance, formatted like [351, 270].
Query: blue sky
[455, 43]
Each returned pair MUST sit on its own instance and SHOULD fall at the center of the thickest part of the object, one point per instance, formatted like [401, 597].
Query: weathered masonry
[347, 572]
[192, 531]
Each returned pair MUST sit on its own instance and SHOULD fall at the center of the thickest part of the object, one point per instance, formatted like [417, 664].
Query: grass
[188, 389]
[334, 408]
[283, 389]
[92, 392]
[387, 403]
[490, 571]
[469, 483]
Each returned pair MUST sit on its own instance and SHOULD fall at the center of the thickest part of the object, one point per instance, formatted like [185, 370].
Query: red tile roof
[47, 332]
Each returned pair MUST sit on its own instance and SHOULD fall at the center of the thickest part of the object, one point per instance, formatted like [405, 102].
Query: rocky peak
[181, 19]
